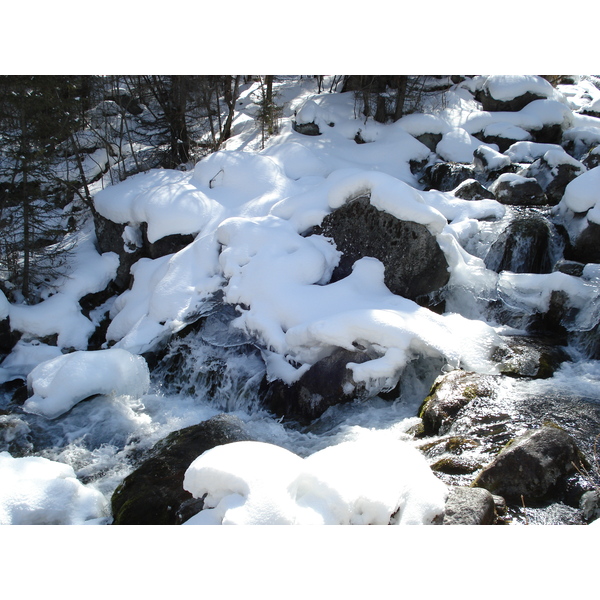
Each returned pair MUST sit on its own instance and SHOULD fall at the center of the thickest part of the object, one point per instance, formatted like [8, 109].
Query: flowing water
[213, 368]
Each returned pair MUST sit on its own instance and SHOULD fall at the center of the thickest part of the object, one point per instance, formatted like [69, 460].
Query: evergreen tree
[37, 114]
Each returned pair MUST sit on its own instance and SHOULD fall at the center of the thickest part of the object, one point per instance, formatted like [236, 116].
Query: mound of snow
[38, 491]
[509, 87]
[62, 382]
[370, 481]
[583, 194]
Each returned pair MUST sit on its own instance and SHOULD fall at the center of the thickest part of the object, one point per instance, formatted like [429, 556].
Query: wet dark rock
[306, 128]
[153, 494]
[533, 467]
[585, 248]
[569, 267]
[414, 263]
[515, 190]
[327, 383]
[109, 236]
[469, 506]
[446, 176]
[471, 189]
[8, 337]
[431, 140]
[449, 395]
[592, 159]
[169, 244]
[489, 103]
[530, 357]
[523, 247]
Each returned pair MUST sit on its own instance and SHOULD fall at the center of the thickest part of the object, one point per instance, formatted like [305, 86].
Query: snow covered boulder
[491, 162]
[153, 494]
[414, 263]
[370, 481]
[580, 211]
[60, 383]
[38, 491]
[554, 171]
[516, 190]
[471, 189]
[513, 92]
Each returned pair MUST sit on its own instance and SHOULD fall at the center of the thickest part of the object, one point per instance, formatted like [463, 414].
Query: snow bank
[372, 481]
[62, 382]
[61, 313]
[38, 491]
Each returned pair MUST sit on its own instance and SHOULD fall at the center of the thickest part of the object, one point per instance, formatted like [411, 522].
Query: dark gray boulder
[446, 176]
[469, 506]
[153, 494]
[585, 248]
[471, 189]
[327, 383]
[532, 467]
[449, 395]
[526, 356]
[311, 129]
[522, 247]
[414, 263]
[515, 190]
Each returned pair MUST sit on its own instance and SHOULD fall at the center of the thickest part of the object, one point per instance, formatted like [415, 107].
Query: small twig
[524, 510]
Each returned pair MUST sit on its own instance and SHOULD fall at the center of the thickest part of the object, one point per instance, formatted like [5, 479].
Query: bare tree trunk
[402, 81]
[231, 95]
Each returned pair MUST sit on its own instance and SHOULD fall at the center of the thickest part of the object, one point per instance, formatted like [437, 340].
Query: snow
[457, 145]
[582, 194]
[60, 383]
[24, 357]
[508, 87]
[490, 159]
[370, 481]
[528, 152]
[61, 313]
[251, 211]
[38, 491]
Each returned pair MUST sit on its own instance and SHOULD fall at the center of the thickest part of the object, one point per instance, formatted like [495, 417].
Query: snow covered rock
[516, 190]
[471, 189]
[513, 92]
[414, 263]
[580, 212]
[60, 383]
[554, 171]
[491, 162]
[38, 491]
[153, 494]
[370, 481]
